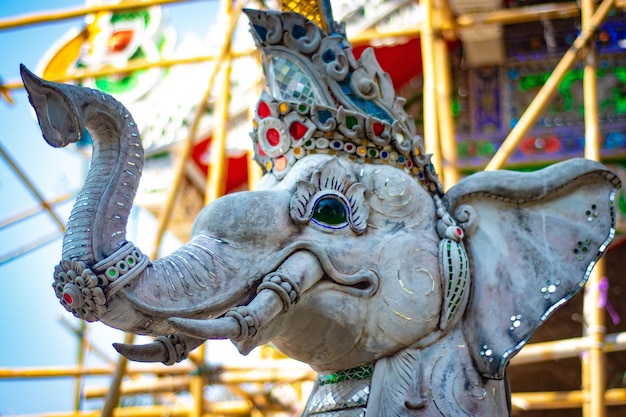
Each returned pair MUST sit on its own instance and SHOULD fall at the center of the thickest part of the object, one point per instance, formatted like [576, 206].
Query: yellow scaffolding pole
[56, 15]
[593, 361]
[431, 130]
[527, 401]
[113, 396]
[445, 121]
[216, 178]
[566, 348]
[135, 65]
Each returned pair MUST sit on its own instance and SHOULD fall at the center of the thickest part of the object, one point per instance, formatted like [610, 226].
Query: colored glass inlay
[261, 31]
[297, 130]
[260, 150]
[263, 110]
[298, 31]
[324, 115]
[281, 163]
[290, 82]
[354, 374]
[328, 56]
[378, 129]
[273, 137]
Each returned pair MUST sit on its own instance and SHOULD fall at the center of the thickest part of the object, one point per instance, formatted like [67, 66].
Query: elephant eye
[330, 199]
[331, 212]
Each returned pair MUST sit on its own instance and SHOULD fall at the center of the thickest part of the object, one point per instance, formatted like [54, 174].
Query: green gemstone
[350, 121]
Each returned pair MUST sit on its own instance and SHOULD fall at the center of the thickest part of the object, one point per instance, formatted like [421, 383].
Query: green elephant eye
[330, 212]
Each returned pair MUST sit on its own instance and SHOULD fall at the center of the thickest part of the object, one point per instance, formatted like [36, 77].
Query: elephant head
[350, 256]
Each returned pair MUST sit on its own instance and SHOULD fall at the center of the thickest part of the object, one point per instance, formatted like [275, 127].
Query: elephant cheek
[408, 305]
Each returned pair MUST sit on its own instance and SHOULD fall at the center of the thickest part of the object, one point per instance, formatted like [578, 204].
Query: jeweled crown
[322, 100]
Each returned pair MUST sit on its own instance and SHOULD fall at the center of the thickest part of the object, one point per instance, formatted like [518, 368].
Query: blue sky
[29, 311]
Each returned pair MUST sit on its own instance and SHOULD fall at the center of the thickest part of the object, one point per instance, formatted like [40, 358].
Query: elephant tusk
[275, 294]
[151, 352]
[167, 349]
[222, 328]
[240, 322]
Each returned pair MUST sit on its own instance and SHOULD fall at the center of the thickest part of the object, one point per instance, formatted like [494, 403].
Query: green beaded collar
[354, 374]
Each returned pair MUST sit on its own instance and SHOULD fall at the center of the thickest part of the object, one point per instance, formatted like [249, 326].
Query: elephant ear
[532, 240]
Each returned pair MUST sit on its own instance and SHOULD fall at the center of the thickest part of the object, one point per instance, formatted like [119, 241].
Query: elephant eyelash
[331, 199]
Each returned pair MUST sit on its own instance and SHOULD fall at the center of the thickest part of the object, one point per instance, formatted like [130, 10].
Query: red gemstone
[68, 298]
[459, 232]
[273, 137]
[378, 129]
[297, 130]
[263, 110]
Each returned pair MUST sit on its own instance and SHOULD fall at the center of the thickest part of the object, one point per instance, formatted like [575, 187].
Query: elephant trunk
[97, 260]
[104, 277]
[97, 225]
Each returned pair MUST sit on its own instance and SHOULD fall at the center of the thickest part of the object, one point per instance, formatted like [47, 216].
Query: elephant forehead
[301, 171]
[394, 196]
[396, 199]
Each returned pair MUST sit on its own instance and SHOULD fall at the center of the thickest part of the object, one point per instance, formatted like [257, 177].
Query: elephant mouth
[360, 283]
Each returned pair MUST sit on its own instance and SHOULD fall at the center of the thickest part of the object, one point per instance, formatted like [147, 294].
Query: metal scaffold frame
[193, 375]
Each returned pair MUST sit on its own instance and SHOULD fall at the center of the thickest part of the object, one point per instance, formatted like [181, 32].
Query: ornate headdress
[322, 99]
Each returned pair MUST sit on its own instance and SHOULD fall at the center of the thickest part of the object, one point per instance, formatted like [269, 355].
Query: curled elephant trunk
[104, 277]
[97, 225]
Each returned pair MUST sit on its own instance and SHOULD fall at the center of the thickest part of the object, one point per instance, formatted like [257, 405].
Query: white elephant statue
[407, 300]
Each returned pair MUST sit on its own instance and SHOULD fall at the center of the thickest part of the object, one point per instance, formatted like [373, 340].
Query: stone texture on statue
[406, 300]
